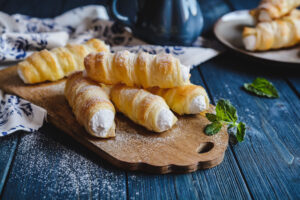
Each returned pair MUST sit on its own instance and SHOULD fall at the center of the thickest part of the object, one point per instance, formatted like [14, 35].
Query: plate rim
[242, 51]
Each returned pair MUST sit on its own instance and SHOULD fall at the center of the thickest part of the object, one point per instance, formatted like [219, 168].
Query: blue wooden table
[50, 165]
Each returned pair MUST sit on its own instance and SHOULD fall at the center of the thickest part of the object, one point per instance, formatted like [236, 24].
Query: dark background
[51, 8]
[44, 8]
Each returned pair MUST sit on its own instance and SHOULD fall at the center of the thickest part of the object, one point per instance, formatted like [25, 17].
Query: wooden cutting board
[184, 148]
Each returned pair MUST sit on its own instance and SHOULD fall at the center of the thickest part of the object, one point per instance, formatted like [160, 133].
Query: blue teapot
[165, 22]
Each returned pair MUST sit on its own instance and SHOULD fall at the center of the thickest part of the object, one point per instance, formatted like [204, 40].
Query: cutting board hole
[205, 147]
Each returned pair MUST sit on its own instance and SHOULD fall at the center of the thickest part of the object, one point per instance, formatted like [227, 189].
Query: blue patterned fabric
[22, 35]
[18, 114]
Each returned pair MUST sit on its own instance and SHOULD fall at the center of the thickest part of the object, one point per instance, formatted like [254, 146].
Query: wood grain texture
[184, 148]
[51, 165]
[8, 147]
[295, 83]
[221, 182]
[269, 157]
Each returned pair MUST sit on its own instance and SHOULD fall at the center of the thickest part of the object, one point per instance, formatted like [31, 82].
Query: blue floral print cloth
[18, 114]
[22, 35]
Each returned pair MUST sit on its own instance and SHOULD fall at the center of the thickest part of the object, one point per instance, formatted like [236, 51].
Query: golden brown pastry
[276, 34]
[57, 63]
[91, 106]
[274, 9]
[142, 107]
[188, 99]
[143, 69]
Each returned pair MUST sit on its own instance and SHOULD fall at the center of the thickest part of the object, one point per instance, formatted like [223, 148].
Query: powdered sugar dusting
[44, 168]
[122, 56]
[100, 56]
[127, 92]
[164, 58]
[134, 144]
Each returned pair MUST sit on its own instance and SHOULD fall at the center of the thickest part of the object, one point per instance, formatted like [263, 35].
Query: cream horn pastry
[269, 10]
[188, 99]
[57, 63]
[142, 69]
[276, 34]
[142, 107]
[91, 105]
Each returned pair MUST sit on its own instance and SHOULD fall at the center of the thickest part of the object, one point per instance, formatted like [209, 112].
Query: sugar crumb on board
[60, 171]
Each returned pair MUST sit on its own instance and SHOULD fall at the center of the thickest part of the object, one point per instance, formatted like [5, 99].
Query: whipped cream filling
[185, 72]
[165, 119]
[20, 73]
[197, 105]
[250, 42]
[101, 122]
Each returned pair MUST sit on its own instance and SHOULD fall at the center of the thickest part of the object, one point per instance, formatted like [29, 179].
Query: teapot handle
[121, 18]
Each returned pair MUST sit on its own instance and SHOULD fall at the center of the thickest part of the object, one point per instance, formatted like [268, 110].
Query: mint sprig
[226, 114]
[213, 128]
[262, 87]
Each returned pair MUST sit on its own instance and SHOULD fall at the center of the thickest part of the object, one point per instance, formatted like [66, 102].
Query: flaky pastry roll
[57, 63]
[188, 99]
[142, 69]
[91, 105]
[142, 107]
[269, 10]
[276, 34]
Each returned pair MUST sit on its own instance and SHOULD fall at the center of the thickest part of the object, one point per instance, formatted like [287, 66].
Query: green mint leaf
[225, 111]
[211, 117]
[236, 133]
[213, 128]
[241, 131]
[226, 114]
[262, 87]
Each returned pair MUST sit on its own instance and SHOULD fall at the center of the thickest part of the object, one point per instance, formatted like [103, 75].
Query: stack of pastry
[147, 87]
[278, 26]
[142, 86]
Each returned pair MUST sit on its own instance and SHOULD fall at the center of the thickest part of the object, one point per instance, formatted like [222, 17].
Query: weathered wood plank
[50, 165]
[222, 182]
[269, 158]
[295, 83]
[8, 145]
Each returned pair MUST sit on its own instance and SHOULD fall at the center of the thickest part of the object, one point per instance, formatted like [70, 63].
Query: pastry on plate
[274, 9]
[142, 107]
[280, 33]
[188, 99]
[142, 69]
[57, 63]
[91, 106]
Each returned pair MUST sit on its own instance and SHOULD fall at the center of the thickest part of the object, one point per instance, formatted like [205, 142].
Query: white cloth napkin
[18, 114]
[21, 35]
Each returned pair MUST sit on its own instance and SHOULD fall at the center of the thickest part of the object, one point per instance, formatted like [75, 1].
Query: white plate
[228, 30]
